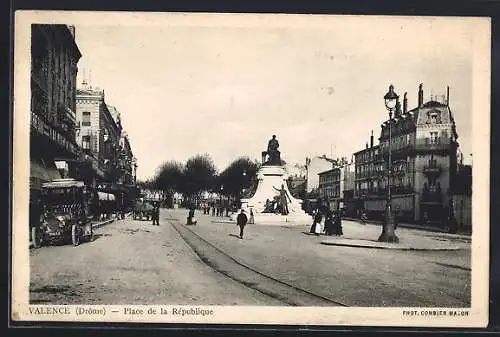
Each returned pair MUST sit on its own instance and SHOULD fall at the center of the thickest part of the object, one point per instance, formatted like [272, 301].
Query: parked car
[65, 213]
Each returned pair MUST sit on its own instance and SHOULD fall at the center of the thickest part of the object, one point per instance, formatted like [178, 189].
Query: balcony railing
[396, 190]
[428, 144]
[59, 136]
[432, 168]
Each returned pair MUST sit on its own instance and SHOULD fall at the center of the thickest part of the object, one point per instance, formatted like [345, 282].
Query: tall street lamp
[388, 231]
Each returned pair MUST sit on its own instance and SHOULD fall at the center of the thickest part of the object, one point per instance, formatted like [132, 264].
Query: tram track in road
[248, 276]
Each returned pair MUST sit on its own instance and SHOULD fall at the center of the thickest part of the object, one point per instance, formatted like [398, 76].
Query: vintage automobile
[65, 215]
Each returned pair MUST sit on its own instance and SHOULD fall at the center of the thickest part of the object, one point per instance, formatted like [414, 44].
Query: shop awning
[105, 196]
[42, 171]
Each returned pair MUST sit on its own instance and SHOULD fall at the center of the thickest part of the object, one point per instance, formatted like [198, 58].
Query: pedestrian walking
[155, 216]
[317, 217]
[320, 225]
[190, 219]
[213, 209]
[241, 221]
[252, 219]
[337, 221]
[329, 223]
[363, 217]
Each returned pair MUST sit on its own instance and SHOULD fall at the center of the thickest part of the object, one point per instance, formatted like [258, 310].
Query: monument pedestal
[270, 179]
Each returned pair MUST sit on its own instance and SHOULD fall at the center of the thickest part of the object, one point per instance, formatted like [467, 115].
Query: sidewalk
[365, 236]
[413, 226]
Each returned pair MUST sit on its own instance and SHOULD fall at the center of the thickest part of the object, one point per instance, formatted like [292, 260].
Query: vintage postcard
[251, 169]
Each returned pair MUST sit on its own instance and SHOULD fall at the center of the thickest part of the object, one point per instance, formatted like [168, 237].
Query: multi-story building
[367, 172]
[329, 187]
[314, 166]
[53, 147]
[336, 186]
[103, 138]
[424, 163]
[99, 134]
[126, 160]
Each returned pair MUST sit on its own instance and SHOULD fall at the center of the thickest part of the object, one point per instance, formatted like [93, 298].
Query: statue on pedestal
[284, 199]
[272, 153]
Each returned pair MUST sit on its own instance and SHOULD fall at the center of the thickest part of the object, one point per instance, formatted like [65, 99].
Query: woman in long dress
[316, 220]
[320, 225]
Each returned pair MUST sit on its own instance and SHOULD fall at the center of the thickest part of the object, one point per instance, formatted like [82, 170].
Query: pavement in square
[357, 276]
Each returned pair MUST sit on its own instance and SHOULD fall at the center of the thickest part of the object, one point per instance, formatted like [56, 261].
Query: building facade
[336, 186]
[103, 140]
[90, 114]
[53, 147]
[314, 166]
[424, 163]
[329, 187]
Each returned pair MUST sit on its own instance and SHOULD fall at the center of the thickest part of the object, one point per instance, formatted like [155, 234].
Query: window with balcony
[86, 142]
[433, 137]
[86, 118]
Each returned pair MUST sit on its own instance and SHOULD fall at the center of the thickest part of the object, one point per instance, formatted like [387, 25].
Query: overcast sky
[183, 90]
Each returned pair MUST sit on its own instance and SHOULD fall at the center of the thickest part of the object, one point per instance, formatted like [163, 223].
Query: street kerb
[360, 243]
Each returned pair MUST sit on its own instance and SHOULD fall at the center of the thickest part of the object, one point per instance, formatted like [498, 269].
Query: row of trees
[199, 175]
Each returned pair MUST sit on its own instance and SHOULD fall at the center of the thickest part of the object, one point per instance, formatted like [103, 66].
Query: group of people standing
[215, 209]
[326, 222]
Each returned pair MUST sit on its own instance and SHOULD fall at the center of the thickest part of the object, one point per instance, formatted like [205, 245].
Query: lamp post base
[388, 230]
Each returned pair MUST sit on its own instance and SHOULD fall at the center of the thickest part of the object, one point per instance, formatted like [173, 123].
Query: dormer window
[434, 117]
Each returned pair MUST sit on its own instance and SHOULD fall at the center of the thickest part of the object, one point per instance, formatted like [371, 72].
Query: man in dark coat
[329, 223]
[241, 221]
[337, 221]
[190, 217]
[156, 214]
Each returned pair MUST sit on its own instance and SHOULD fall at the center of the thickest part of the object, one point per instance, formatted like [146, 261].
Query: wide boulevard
[134, 262]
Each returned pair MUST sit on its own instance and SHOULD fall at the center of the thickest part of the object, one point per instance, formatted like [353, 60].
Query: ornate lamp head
[390, 98]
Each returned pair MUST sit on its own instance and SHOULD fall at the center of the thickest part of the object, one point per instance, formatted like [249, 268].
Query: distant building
[53, 148]
[366, 170]
[314, 166]
[297, 186]
[329, 187]
[336, 185]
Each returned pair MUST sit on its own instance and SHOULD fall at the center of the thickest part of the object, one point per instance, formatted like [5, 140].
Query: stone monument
[272, 202]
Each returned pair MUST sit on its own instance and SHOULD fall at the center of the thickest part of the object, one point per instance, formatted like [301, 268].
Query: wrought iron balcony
[438, 144]
[432, 168]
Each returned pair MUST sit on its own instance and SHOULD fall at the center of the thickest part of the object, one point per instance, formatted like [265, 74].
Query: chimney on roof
[405, 103]
[420, 95]
[398, 108]
[366, 144]
[448, 95]
[371, 139]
